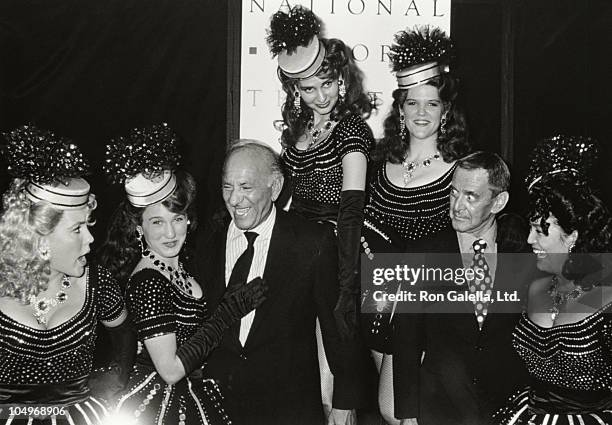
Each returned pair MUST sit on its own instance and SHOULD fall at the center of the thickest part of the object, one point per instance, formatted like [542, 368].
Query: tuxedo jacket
[274, 377]
[466, 374]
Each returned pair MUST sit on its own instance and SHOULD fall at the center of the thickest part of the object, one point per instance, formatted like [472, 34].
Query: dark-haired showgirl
[176, 332]
[408, 196]
[565, 336]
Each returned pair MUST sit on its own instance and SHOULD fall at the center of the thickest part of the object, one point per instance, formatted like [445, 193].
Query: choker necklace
[315, 133]
[178, 276]
[411, 166]
[561, 298]
[43, 305]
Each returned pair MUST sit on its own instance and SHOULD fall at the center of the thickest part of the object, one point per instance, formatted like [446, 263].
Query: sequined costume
[316, 173]
[395, 216]
[571, 371]
[412, 212]
[160, 307]
[52, 366]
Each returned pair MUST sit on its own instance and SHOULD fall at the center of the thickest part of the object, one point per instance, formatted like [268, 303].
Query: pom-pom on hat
[144, 161]
[420, 54]
[572, 155]
[293, 37]
[51, 165]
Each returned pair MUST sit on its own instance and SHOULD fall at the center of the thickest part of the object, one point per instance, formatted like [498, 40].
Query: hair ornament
[39, 156]
[293, 37]
[147, 151]
[420, 54]
[144, 161]
[51, 166]
[290, 30]
[574, 156]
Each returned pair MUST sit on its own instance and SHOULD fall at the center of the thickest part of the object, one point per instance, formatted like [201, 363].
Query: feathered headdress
[293, 37]
[144, 161]
[571, 155]
[420, 54]
[51, 165]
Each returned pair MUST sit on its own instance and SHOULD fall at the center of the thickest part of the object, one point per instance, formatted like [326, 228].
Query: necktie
[481, 287]
[240, 272]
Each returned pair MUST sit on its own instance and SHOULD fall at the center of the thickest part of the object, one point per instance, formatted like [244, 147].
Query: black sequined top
[316, 173]
[30, 356]
[413, 212]
[159, 307]
[577, 356]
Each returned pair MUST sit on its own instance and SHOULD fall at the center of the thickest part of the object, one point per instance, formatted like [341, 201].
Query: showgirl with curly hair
[326, 148]
[51, 300]
[325, 138]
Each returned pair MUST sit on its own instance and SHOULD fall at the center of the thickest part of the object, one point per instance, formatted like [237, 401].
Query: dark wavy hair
[452, 145]
[577, 208]
[338, 62]
[121, 252]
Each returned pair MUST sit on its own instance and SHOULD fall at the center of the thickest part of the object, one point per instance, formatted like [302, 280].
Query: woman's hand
[246, 298]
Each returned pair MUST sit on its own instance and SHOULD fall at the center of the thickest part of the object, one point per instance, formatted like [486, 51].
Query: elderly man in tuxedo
[458, 368]
[267, 367]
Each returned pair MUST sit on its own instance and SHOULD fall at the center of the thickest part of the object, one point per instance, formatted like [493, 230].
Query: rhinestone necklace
[411, 166]
[315, 133]
[561, 298]
[178, 276]
[43, 305]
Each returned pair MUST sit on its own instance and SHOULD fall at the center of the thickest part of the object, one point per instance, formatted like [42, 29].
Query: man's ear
[277, 186]
[500, 202]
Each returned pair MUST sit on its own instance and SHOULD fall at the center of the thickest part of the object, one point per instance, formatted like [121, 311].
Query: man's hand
[409, 421]
[342, 417]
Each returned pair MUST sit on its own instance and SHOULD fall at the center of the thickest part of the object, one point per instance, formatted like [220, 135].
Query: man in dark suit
[267, 367]
[458, 368]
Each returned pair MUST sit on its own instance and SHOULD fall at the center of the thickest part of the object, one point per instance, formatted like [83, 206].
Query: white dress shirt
[236, 244]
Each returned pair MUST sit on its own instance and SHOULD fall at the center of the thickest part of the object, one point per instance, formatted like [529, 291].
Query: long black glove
[233, 307]
[350, 221]
[107, 382]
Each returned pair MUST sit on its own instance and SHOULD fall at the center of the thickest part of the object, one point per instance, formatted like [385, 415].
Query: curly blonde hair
[24, 271]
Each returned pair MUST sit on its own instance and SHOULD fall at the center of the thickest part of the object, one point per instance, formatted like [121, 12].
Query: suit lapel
[280, 255]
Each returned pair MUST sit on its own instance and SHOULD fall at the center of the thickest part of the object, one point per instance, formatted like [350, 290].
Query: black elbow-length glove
[350, 221]
[235, 305]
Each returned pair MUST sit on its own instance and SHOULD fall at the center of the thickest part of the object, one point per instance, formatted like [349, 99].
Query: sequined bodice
[414, 212]
[316, 173]
[160, 307]
[577, 356]
[63, 353]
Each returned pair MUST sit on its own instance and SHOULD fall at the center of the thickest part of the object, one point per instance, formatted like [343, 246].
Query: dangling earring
[443, 123]
[144, 252]
[341, 89]
[297, 103]
[43, 251]
[402, 123]
[571, 248]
